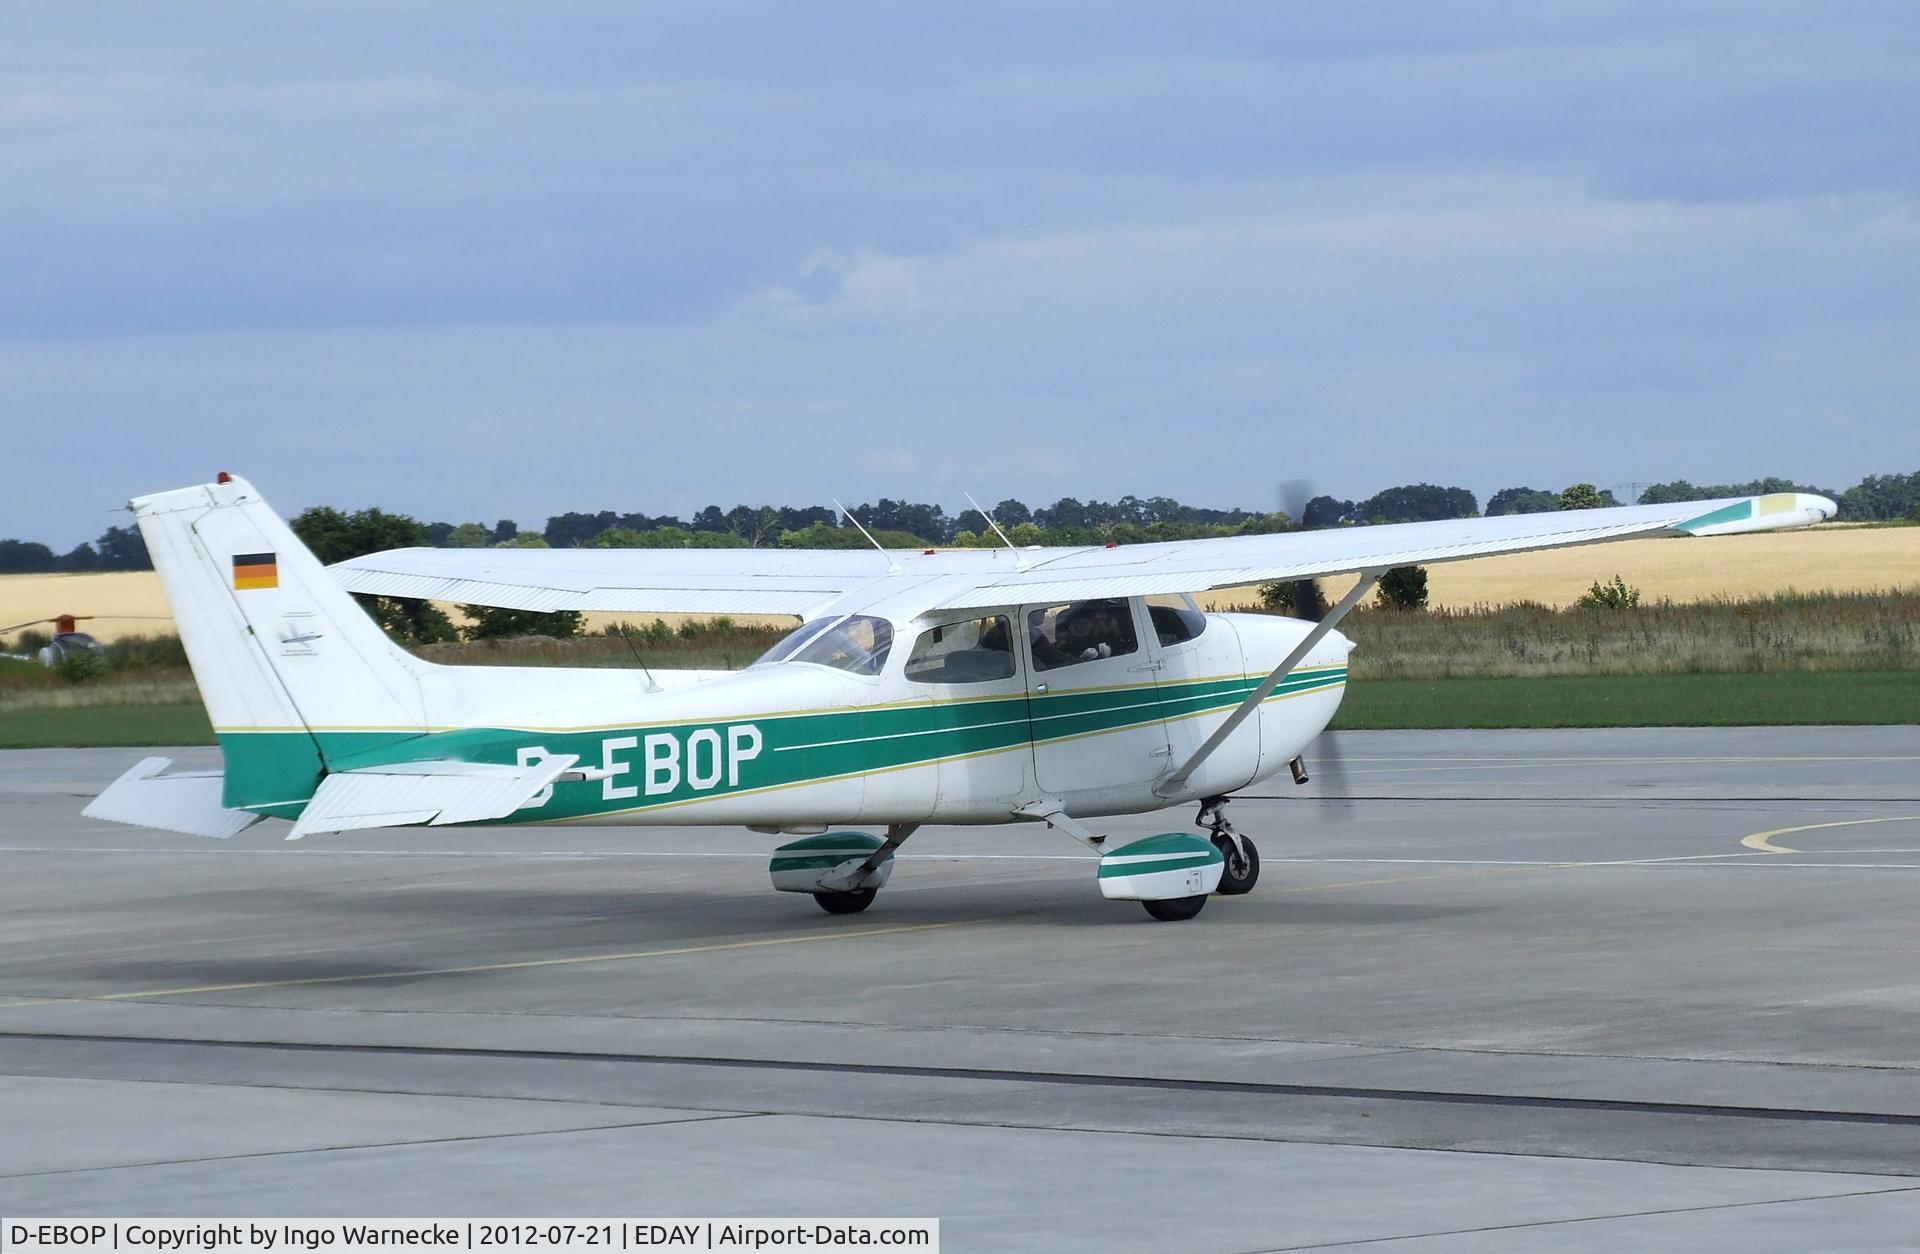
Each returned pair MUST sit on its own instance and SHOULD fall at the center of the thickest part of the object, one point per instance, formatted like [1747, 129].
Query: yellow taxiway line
[1763, 841]
[484, 968]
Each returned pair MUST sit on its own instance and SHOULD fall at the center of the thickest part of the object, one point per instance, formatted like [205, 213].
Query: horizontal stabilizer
[187, 803]
[410, 794]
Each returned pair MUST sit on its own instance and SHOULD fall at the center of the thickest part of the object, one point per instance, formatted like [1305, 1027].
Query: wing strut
[1171, 784]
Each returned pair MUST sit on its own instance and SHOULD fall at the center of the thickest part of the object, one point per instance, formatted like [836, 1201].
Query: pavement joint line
[406, 1143]
[1013, 1075]
[485, 968]
[1586, 1219]
[1763, 841]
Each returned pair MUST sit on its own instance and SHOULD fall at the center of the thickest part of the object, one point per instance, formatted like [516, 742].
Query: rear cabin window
[971, 652]
[1084, 631]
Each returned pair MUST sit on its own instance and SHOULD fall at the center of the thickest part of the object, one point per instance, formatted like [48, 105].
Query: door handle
[1039, 687]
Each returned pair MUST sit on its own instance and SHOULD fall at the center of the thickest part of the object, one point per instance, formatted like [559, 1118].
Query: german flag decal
[255, 570]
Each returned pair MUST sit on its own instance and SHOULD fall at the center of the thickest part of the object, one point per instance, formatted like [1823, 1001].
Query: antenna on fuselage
[1019, 560]
[653, 685]
[893, 567]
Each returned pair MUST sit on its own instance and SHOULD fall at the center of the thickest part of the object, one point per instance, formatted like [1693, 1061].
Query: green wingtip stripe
[1739, 511]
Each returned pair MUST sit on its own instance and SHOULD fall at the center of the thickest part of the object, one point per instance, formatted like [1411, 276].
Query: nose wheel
[1242, 860]
[851, 902]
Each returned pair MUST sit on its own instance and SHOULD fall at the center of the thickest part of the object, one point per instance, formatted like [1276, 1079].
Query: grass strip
[1736, 700]
[1782, 698]
[105, 726]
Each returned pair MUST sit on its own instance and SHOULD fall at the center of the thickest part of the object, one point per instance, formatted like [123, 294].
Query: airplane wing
[1200, 565]
[804, 582]
[664, 581]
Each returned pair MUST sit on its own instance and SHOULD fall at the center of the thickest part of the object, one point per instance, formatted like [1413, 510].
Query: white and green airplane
[984, 686]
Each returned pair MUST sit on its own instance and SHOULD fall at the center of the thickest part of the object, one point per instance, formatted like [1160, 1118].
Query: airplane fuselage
[796, 745]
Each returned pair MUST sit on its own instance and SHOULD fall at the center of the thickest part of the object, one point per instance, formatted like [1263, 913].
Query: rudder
[292, 671]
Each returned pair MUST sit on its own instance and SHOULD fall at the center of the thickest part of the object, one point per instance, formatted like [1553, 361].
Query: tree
[928, 523]
[490, 622]
[1882, 497]
[1522, 501]
[1681, 490]
[469, 535]
[1404, 588]
[122, 548]
[1326, 511]
[80, 559]
[336, 537]
[503, 531]
[24, 557]
[822, 536]
[664, 538]
[1417, 502]
[1011, 513]
[525, 540]
[409, 621]
[1581, 496]
[567, 531]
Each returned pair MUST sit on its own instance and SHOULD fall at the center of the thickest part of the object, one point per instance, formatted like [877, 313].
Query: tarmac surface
[1594, 990]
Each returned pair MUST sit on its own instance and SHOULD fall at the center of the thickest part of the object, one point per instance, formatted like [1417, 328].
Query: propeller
[1310, 604]
[63, 623]
[58, 618]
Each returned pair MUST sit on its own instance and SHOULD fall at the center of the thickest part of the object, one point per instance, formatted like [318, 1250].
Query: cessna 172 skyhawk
[1050, 685]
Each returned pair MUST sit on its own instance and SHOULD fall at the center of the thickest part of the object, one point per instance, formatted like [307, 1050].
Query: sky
[479, 260]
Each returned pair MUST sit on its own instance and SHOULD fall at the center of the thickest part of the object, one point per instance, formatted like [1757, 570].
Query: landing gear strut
[1242, 870]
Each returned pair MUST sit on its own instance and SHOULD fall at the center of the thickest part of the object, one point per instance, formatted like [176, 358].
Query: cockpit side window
[1175, 619]
[858, 643]
[970, 652]
[1083, 631]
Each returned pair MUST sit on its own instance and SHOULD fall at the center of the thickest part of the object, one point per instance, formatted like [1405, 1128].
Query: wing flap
[414, 794]
[668, 581]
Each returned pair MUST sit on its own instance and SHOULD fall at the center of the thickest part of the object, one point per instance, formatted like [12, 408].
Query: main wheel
[1240, 874]
[846, 903]
[1173, 909]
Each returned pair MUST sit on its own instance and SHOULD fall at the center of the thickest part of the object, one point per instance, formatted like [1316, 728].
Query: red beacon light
[223, 477]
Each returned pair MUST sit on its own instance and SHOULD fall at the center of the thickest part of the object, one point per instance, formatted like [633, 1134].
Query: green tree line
[1069, 520]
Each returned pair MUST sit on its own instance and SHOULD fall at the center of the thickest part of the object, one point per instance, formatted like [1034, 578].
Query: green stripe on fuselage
[273, 771]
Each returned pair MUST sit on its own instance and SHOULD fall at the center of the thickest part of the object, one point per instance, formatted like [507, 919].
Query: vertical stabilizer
[288, 665]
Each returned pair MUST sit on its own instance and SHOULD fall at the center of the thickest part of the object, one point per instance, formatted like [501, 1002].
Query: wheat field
[1821, 559]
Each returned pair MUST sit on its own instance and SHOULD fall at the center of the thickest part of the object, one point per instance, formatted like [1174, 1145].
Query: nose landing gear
[1242, 870]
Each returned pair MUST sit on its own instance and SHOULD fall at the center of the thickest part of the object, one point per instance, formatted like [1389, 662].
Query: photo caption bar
[302, 1236]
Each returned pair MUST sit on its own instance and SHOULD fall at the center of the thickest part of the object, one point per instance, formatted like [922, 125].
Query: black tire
[1237, 876]
[847, 903]
[1175, 909]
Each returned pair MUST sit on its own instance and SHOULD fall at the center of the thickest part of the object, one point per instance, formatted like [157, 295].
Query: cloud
[473, 260]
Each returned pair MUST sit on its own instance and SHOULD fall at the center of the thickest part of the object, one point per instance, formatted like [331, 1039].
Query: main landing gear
[843, 871]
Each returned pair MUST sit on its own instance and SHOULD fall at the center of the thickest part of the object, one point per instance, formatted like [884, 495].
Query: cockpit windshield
[793, 640]
[857, 643]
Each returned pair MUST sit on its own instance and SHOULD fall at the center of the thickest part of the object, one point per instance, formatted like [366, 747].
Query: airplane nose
[1823, 506]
